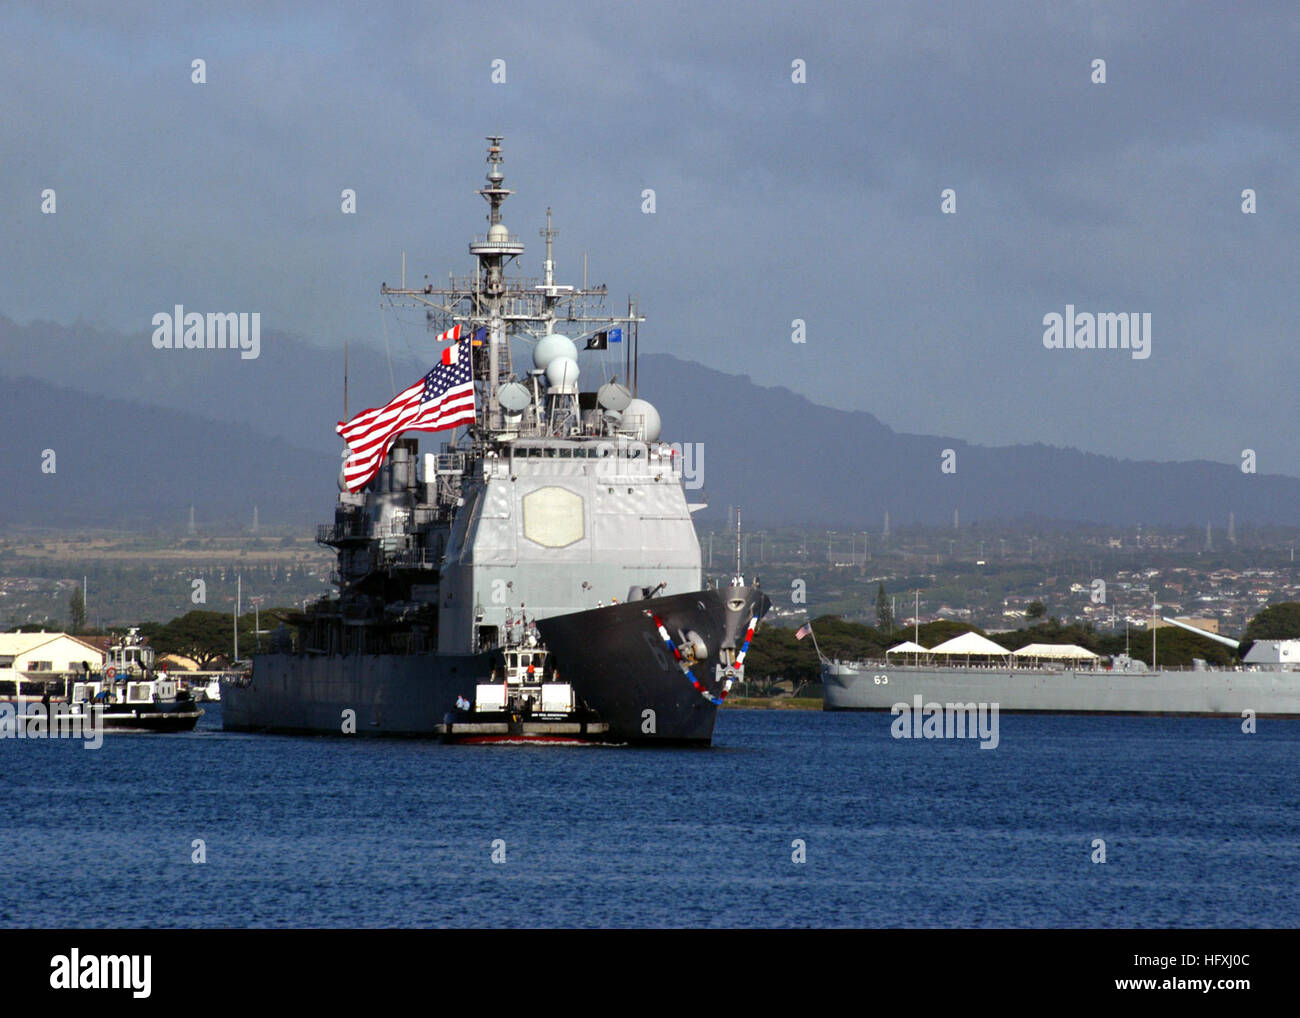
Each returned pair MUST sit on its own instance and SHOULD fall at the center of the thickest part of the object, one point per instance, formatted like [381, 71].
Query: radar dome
[613, 396]
[550, 347]
[497, 232]
[643, 418]
[562, 375]
[514, 397]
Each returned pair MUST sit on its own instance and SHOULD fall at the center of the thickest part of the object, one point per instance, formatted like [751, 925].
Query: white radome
[552, 347]
[562, 375]
[645, 418]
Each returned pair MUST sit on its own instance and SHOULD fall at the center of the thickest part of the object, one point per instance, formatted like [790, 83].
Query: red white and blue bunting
[732, 675]
[749, 635]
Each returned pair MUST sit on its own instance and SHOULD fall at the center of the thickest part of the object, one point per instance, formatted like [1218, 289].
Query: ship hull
[362, 694]
[166, 716]
[612, 656]
[1192, 693]
[619, 663]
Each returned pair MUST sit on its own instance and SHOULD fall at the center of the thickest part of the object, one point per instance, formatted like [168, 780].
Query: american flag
[804, 630]
[442, 399]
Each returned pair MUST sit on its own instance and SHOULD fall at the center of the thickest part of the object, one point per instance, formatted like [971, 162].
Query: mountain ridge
[783, 457]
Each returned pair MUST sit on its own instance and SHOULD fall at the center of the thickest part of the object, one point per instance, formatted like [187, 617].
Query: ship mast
[492, 252]
[491, 301]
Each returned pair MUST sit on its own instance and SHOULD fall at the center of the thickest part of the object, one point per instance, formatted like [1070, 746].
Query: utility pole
[257, 621]
[239, 590]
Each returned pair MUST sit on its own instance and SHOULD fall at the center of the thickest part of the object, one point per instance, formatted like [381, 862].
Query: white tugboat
[524, 701]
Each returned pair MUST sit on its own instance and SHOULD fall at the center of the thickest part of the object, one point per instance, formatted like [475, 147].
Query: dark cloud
[776, 201]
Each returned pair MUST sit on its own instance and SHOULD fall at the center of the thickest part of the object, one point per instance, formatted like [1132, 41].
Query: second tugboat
[523, 702]
[555, 500]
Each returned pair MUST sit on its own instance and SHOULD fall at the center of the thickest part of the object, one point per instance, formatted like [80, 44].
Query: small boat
[524, 704]
[133, 696]
[206, 690]
[138, 705]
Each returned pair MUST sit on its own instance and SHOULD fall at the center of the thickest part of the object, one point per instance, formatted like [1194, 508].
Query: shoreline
[774, 702]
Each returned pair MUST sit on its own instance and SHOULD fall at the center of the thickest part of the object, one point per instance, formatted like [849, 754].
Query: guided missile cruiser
[540, 561]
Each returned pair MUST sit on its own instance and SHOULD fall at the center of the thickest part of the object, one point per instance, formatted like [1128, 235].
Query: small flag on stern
[804, 630]
[442, 399]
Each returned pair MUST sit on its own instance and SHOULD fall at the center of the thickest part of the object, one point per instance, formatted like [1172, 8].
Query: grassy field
[775, 702]
[132, 578]
[141, 550]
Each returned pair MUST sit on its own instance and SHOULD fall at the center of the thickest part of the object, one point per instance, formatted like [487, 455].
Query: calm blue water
[1202, 826]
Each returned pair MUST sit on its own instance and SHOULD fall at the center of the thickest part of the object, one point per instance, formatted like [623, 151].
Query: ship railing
[632, 424]
[922, 662]
[420, 558]
[449, 464]
[511, 240]
[328, 533]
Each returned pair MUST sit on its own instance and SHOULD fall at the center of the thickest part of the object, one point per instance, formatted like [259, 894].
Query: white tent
[1056, 651]
[969, 645]
[907, 647]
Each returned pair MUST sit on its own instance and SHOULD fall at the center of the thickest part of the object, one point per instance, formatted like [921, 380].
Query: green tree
[884, 613]
[1036, 610]
[77, 611]
[775, 654]
[204, 636]
[1276, 622]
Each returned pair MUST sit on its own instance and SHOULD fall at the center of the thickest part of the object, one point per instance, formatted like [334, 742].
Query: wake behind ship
[558, 518]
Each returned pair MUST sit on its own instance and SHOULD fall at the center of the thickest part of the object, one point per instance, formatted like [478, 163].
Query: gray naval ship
[1267, 682]
[557, 520]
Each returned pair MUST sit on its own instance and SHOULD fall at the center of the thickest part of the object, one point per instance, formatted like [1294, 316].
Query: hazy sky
[775, 200]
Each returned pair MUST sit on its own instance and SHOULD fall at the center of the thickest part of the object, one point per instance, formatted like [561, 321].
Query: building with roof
[28, 661]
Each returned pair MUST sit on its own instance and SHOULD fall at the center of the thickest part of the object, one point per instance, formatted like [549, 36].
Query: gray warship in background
[1267, 682]
[559, 516]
